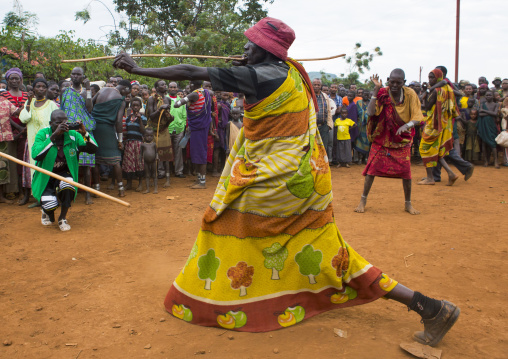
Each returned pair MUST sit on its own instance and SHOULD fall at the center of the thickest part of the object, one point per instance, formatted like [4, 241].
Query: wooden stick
[189, 56]
[51, 174]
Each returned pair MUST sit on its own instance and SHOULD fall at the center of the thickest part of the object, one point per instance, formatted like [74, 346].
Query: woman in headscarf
[36, 115]
[8, 174]
[17, 97]
[437, 139]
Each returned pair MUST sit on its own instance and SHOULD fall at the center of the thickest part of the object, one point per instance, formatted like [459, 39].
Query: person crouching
[56, 149]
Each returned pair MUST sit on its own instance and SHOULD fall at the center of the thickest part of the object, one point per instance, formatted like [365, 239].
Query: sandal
[45, 220]
[64, 226]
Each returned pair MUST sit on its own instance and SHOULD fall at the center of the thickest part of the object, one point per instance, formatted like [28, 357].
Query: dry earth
[101, 286]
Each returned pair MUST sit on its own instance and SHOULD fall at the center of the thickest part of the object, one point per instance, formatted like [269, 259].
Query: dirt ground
[98, 290]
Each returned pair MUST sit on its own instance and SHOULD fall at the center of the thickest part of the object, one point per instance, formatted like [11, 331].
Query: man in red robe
[393, 112]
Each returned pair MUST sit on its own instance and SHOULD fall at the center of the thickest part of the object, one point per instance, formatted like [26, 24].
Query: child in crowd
[149, 158]
[233, 129]
[344, 138]
[472, 147]
[132, 160]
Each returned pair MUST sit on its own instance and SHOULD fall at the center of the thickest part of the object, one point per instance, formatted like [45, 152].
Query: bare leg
[118, 176]
[452, 177]
[155, 178]
[140, 184]
[148, 173]
[401, 294]
[128, 186]
[26, 196]
[166, 168]
[406, 184]
[486, 154]
[88, 182]
[95, 178]
[496, 163]
[429, 180]
[2, 197]
[201, 182]
[216, 153]
[369, 180]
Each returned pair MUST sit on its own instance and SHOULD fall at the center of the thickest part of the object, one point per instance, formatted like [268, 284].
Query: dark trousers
[453, 158]
[323, 131]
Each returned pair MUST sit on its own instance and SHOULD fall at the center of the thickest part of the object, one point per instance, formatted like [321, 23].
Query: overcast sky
[411, 33]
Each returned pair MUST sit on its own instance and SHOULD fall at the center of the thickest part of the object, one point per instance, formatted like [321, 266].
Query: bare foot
[111, 186]
[451, 180]
[5, 200]
[215, 174]
[410, 209]
[121, 193]
[23, 201]
[167, 184]
[147, 191]
[128, 187]
[155, 192]
[88, 199]
[198, 186]
[361, 206]
[139, 189]
[426, 181]
[486, 164]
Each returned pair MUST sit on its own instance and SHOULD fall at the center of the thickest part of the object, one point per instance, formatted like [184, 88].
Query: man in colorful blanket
[393, 112]
[269, 253]
[76, 102]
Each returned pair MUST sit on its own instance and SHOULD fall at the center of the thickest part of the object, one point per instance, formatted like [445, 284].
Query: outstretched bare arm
[175, 72]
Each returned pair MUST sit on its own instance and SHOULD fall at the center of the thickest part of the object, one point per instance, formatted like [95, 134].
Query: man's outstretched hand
[125, 62]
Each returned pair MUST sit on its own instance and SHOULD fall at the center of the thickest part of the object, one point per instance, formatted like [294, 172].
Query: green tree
[213, 27]
[208, 265]
[358, 63]
[309, 262]
[275, 255]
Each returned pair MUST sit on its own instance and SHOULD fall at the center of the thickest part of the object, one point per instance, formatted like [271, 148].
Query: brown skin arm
[431, 100]
[119, 123]
[494, 113]
[175, 72]
[141, 125]
[192, 97]
[154, 111]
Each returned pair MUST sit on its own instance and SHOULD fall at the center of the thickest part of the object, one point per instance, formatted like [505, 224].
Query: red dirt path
[101, 286]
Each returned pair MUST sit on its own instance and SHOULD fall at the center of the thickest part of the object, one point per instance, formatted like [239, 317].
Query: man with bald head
[323, 112]
[393, 112]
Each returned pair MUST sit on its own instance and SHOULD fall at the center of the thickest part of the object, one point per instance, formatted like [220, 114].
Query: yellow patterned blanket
[269, 253]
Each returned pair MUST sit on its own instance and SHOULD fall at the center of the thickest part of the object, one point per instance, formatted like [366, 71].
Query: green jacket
[180, 115]
[44, 152]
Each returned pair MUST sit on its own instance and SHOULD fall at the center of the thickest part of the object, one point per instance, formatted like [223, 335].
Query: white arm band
[88, 94]
[120, 137]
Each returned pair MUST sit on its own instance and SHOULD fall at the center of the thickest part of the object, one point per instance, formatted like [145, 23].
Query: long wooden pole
[51, 174]
[190, 56]
[457, 35]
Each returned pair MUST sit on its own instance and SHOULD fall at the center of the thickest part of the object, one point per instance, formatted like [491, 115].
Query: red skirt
[389, 162]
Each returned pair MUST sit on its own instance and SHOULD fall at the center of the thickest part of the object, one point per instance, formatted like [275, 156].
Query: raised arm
[371, 108]
[176, 72]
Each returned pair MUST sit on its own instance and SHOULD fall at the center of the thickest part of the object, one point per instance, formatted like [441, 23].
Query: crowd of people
[142, 132]
[273, 133]
[152, 132]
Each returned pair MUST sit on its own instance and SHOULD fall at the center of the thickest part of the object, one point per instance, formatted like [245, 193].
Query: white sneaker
[45, 219]
[64, 226]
